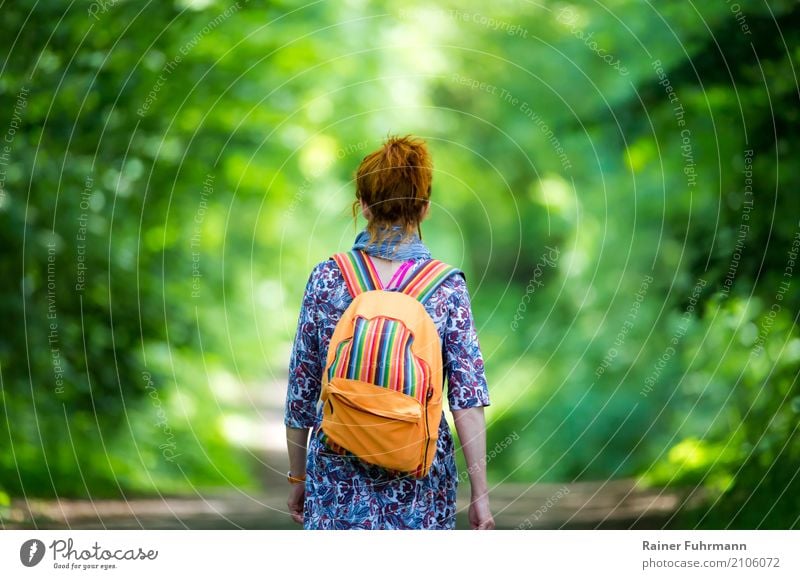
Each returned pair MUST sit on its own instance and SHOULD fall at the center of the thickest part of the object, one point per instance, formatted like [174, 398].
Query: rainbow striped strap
[360, 275]
[358, 271]
[427, 279]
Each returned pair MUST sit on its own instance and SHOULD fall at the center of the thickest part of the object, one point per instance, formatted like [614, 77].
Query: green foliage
[177, 168]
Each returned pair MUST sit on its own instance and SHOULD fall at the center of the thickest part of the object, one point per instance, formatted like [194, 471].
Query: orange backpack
[383, 380]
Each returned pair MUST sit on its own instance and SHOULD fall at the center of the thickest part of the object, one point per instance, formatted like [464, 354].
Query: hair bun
[395, 183]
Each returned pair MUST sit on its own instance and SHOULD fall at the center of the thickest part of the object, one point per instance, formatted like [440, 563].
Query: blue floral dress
[342, 491]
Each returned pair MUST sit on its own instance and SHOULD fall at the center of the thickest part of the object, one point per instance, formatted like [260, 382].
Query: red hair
[395, 183]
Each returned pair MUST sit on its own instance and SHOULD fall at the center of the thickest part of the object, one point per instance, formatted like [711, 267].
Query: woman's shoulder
[452, 290]
[457, 280]
[455, 288]
[324, 270]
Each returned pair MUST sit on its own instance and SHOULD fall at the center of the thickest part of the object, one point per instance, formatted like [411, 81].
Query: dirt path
[587, 505]
[614, 504]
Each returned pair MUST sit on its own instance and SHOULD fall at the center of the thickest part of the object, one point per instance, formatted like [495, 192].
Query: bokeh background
[618, 179]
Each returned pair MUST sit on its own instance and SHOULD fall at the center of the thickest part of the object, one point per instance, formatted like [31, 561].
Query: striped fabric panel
[358, 271]
[380, 353]
[427, 279]
[342, 353]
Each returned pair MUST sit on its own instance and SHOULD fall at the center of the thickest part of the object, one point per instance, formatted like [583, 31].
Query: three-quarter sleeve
[463, 361]
[305, 365]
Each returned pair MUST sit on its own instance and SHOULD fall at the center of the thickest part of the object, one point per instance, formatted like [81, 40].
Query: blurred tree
[171, 171]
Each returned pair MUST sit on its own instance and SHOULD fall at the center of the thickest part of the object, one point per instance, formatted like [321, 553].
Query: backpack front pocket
[380, 353]
[381, 426]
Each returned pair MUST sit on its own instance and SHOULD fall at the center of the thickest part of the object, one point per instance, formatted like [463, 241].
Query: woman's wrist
[297, 472]
[479, 492]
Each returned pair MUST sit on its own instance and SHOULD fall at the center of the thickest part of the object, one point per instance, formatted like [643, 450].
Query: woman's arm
[471, 428]
[305, 370]
[467, 394]
[296, 442]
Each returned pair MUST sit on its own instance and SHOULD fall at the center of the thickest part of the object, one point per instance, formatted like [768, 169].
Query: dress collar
[393, 244]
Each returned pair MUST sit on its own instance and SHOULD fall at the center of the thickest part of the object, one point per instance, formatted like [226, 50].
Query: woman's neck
[392, 247]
